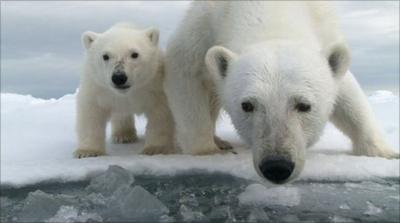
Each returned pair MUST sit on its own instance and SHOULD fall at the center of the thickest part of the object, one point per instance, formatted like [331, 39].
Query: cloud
[41, 41]
[42, 27]
[41, 49]
[372, 29]
[46, 75]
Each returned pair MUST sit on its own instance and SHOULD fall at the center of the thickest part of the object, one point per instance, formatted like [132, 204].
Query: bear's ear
[338, 56]
[153, 35]
[88, 38]
[218, 59]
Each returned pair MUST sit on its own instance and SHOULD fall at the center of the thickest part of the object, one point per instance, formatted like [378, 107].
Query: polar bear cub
[123, 75]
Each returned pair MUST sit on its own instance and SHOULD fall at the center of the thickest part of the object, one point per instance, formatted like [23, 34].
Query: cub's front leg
[91, 124]
[159, 131]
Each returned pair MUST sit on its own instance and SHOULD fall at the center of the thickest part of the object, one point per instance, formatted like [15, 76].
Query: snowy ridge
[38, 138]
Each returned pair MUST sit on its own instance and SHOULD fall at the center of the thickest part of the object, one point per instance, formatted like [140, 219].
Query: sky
[42, 54]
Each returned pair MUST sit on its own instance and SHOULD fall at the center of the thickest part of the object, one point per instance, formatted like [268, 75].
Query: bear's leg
[123, 128]
[353, 115]
[159, 130]
[189, 100]
[215, 109]
[91, 124]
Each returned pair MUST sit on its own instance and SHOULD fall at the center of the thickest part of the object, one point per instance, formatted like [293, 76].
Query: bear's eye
[302, 107]
[247, 106]
[106, 57]
[134, 55]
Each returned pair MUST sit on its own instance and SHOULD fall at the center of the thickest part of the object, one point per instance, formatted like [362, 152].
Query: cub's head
[279, 96]
[122, 58]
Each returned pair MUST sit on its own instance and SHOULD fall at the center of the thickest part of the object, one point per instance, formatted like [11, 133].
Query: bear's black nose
[276, 169]
[119, 78]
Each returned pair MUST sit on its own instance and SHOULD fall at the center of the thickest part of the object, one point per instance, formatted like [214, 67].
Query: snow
[38, 139]
[258, 195]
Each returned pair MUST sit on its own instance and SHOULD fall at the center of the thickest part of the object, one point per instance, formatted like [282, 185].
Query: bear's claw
[124, 139]
[85, 153]
[222, 144]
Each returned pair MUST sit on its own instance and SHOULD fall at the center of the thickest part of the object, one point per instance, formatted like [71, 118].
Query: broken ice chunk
[136, 204]
[97, 200]
[65, 214]
[340, 219]
[166, 219]
[188, 215]
[290, 218]
[219, 214]
[344, 207]
[5, 202]
[70, 214]
[258, 215]
[372, 209]
[39, 206]
[189, 200]
[109, 181]
[260, 196]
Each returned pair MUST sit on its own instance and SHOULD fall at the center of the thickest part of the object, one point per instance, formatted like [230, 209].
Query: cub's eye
[106, 57]
[302, 107]
[247, 106]
[134, 55]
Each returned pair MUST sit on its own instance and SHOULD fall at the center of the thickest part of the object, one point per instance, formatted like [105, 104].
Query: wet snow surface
[41, 181]
[200, 198]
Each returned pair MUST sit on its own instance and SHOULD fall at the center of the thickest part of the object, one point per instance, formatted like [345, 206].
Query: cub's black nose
[119, 78]
[276, 169]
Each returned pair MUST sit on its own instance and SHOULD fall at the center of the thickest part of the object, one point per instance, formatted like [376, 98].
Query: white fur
[277, 54]
[98, 100]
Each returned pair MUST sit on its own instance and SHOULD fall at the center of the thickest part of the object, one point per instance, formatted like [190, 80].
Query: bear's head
[122, 58]
[279, 96]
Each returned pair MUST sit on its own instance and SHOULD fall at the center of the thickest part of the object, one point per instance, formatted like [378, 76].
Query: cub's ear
[153, 35]
[338, 56]
[88, 38]
[218, 59]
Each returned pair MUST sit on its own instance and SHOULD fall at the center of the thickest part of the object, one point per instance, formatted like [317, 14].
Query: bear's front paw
[386, 153]
[84, 153]
[378, 150]
[124, 138]
[153, 150]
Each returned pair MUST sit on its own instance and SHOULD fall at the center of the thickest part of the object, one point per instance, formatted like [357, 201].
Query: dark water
[197, 198]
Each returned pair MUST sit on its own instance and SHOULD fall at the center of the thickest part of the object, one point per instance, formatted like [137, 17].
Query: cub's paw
[85, 153]
[153, 150]
[124, 138]
[222, 144]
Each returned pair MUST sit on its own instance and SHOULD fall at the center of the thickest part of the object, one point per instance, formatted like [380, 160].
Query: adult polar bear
[279, 70]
